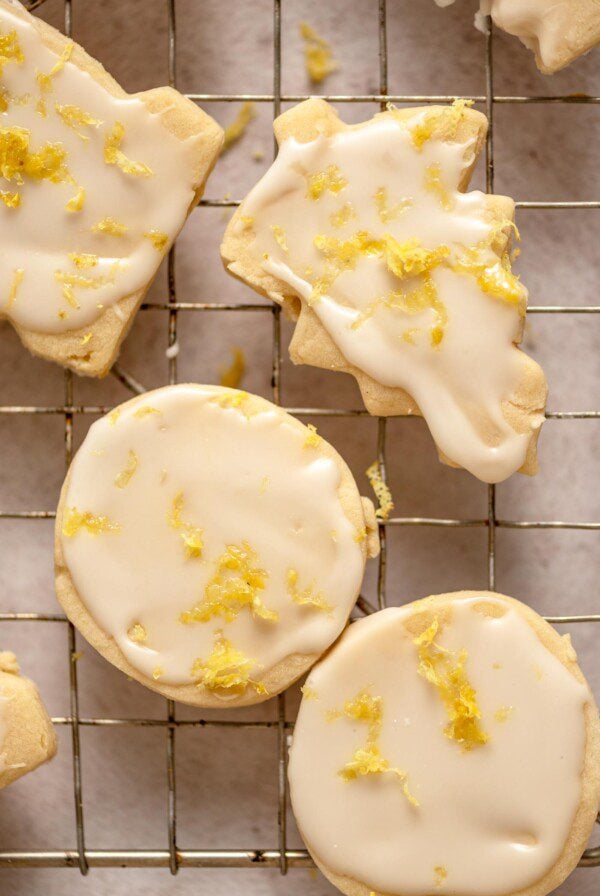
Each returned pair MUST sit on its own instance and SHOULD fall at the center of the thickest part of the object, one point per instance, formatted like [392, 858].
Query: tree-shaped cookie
[396, 276]
[557, 33]
[95, 185]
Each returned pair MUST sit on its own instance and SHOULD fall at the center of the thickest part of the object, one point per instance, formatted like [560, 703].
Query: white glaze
[478, 808]
[243, 479]
[460, 385]
[37, 237]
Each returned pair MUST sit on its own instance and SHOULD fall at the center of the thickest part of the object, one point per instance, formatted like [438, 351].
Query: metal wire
[282, 857]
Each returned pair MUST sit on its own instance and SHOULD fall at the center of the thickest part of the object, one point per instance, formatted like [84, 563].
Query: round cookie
[210, 545]
[27, 738]
[451, 745]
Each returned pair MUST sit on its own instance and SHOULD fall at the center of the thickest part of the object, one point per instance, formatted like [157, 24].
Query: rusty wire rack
[279, 856]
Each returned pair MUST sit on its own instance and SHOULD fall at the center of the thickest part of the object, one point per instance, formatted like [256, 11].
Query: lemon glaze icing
[368, 228]
[217, 559]
[492, 815]
[94, 188]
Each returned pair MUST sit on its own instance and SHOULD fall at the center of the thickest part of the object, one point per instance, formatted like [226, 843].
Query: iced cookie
[451, 746]
[558, 33]
[210, 545]
[396, 276]
[27, 738]
[95, 185]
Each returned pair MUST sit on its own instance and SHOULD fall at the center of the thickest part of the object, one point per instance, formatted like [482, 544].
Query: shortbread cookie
[210, 545]
[558, 33]
[95, 185]
[27, 738]
[451, 746]
[397, 277]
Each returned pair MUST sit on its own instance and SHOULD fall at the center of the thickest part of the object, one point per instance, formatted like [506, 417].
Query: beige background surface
[227, 783]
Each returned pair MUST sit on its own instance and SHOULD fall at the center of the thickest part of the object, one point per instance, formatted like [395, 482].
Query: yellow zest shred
[75, 519]
[10, 200]
[18, 162]
[497, 279]
[382, 492]
[45, 81]
[87, 337]
[110, 226]
[308, 597]
[75, 118]
[440, 875]
[264, 484]
[232, 376]
[114, 416]
[279, 236]
[158, 239]
[313, 439]
[343, 216]
[146, 410]
[190, 535]
[157, 673]
[318, 56]
[367, 760]
[235, 586]
[360, 535]
[226, 669]
[330, 179]
[10, 50]
[386, 211]
[69, 297]
[14, 287]
[247, 220]
[309, 693]
[232, 400]
[123, 478]
[445, 670]
[113, 155]
[83, 260]
[435, 185]
[503, 713]
[236, 130]
[432, 121]
[75, 204]
[137, 633]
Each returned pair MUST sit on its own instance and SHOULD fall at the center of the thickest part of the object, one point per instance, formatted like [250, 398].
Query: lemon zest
[45, 81]
[309, 693]
[503, 713]
[279, 236]
[330, 179]
[445, 670]
[232, 376]
[431, 123]
[18, 162]
[386, 211]
[190, 535]
[75, 117]
[318, 55]
[137, 633]
[434, 184]
[235, 586]
[10, 50]
[86, 338]
[110, 226]
[75, 204]
[10, 200]
[83, 260]
[313, 439]
[146, 410]
[367, 760]
[440, 874]
[225, 669]
[237, 128]
[343, 216]
[158, 239]
[113, 154]
[14, 287]
[308, 597]
[75, 519]
[382, 491]
[124, 477]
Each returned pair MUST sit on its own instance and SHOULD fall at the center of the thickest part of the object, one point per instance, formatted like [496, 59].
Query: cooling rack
[277, 855]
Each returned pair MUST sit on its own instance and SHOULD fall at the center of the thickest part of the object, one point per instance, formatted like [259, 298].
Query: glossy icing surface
[207, 525]
[94, 188]
[369, 229]
[494, 810]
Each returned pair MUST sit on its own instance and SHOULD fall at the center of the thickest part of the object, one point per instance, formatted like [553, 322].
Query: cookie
[95, 185]
[396, 276]
[557, 33]
[27, 738]
[210, 545]
[450, 745]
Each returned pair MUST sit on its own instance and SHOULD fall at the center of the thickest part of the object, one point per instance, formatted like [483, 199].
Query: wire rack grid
[280, 856]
